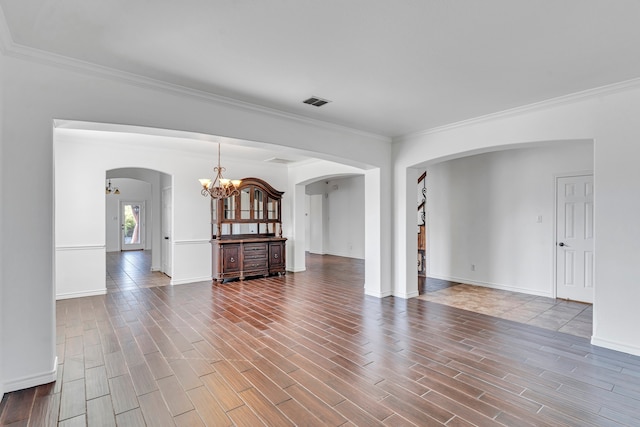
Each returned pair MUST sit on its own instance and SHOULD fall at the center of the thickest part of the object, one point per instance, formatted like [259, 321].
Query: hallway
[127, 270]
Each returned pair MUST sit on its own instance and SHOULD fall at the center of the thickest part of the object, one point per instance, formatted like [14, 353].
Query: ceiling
[389, 67]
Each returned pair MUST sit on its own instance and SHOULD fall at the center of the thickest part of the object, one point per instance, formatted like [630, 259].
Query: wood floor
[311, 349]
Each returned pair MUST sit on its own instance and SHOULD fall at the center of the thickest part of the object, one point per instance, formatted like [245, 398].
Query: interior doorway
[132, 225]
[422, 230]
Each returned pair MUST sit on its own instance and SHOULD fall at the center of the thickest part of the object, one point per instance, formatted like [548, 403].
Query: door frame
[554, 237]
[142, 221]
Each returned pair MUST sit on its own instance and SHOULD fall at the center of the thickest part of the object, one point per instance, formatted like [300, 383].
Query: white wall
[336, 210]
[345, 217]
[483, 210]
[131, 190]
[317, 224]
[317, 217]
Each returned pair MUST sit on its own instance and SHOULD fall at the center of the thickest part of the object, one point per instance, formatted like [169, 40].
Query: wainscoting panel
[80, 271]
[191, 261]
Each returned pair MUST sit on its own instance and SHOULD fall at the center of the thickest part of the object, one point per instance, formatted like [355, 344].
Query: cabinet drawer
[253, 265]
[255, 256]
[254, 247]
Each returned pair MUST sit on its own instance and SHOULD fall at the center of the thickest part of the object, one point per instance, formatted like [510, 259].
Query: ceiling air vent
[315, 101]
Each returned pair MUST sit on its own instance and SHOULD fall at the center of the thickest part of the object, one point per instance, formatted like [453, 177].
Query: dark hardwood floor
[311, 349]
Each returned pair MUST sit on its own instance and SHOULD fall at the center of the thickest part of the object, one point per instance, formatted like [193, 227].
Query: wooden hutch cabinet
[247, 232]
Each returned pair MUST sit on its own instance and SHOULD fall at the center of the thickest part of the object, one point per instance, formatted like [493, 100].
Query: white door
[574, 238]
[132, 226]
[167, 205]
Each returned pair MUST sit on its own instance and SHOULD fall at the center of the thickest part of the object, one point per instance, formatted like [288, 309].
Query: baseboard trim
[192, 242]
[407, 295]
[32, 380]
[493, 285]
[81, 294]
[191, 280]
[156, 268]
[296, 270]
[343, 255]
[613, 345]
[82, 248]
[376, 294]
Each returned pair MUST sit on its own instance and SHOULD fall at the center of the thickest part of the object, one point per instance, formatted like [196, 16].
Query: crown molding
[6, 40]
[529, 108]
[12, 49]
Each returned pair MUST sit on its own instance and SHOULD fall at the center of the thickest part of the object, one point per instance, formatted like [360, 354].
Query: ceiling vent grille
[316, 102]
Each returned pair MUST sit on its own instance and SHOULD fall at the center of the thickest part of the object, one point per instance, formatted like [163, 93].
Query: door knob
[166, 237]
[561, 244]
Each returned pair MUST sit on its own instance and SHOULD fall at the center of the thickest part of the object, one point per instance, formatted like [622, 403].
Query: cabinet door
[276, 255]
[230, 258]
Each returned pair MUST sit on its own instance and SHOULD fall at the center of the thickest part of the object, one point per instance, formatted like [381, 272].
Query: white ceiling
[390, 67]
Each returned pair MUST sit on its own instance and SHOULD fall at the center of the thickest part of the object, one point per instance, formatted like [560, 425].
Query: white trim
[407, 295]
[155, 268]
[529, 108]
[493, 285]
[81, 248]
[81, 294]
[191, 280]
[33, 380]
[614, 345]
[376, 294]
[191, 242]
[340, 254]
[296, 270]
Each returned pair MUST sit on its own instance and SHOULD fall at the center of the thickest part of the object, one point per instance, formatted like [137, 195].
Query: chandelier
[111, 190]
[219, 187]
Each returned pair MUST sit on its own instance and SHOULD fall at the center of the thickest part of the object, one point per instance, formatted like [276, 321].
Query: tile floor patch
[571, 317]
